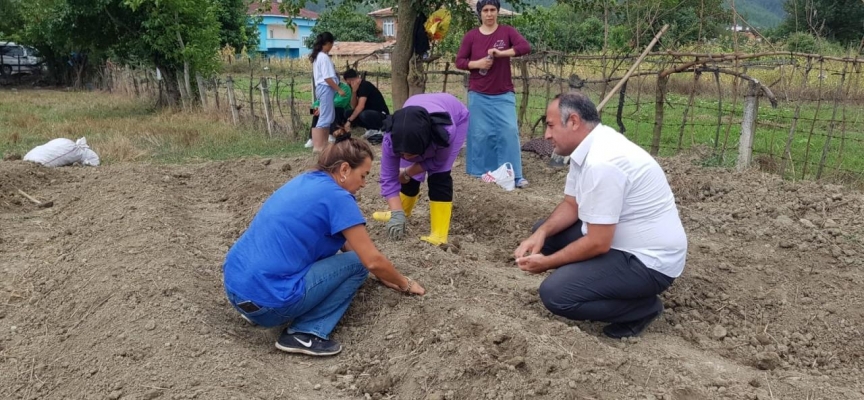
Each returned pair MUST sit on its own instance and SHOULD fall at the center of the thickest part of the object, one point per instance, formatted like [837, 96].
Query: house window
[303, 40]
[271, 34]
[389, 28]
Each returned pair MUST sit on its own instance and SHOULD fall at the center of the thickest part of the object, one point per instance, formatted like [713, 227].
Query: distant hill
[760, 13]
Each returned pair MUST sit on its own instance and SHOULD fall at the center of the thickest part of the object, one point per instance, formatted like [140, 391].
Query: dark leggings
[440, 187]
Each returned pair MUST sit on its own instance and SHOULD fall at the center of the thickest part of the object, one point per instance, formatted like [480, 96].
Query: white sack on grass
[62, 152]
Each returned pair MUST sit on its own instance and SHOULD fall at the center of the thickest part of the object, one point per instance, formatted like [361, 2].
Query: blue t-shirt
[301, 223]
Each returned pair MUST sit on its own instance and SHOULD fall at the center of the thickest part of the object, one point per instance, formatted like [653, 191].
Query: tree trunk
[400, 60]
[171, 96]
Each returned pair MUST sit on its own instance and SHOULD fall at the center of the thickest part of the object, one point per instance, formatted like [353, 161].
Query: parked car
[19, 59]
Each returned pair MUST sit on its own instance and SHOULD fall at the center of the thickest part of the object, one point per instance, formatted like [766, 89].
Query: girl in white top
[326, 87]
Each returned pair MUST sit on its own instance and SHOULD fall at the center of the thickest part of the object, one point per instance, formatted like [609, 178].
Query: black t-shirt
[374, 98]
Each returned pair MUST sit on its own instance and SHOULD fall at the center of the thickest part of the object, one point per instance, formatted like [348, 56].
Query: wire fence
[798, 115]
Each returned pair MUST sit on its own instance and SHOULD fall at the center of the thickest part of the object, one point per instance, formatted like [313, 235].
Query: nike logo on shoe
[305, 344]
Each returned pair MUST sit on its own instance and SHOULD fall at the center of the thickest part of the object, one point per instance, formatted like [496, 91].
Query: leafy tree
[689, 20]
[346, 25]
[10, 19]
[180, 37]
[836, 20]
[555, 28]
[234, 29]
[802, 43]
[406, 67]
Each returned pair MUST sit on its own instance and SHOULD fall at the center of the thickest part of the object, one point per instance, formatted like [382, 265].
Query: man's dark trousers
[613, 287]
[368, 119]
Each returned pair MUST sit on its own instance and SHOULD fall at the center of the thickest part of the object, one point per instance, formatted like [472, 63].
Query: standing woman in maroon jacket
[493, 132]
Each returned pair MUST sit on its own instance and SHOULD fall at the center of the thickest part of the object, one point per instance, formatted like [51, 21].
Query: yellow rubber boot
[408, 203]
[439, 220]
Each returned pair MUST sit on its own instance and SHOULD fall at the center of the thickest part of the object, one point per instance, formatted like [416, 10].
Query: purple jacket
[436, 158]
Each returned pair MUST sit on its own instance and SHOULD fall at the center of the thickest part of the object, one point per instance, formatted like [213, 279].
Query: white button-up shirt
[617, 182]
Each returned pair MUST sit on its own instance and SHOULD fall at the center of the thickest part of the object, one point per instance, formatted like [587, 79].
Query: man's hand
[531, 246]
[341, 92]
[354, 86]
[347, 126]
[493, 52]
[534, 264]
[317, 111]
[396, 225]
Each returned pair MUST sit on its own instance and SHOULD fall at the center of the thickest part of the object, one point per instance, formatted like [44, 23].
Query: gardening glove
[396, 225]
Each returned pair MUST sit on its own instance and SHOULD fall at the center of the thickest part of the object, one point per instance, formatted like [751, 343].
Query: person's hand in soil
[414, 288]
[534, 264]
[396, 225]
[531, 246]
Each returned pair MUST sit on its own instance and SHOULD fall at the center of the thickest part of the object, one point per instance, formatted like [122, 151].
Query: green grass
[700, 129]
[772, 129]
[122, 129]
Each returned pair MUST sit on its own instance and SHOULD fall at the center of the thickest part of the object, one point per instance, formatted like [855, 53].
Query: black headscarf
[484, 3]
[412, 129]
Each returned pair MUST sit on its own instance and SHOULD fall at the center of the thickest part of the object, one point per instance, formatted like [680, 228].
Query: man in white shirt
[616, 241]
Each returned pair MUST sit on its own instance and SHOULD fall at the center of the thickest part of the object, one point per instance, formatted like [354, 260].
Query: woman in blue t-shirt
[287, 266]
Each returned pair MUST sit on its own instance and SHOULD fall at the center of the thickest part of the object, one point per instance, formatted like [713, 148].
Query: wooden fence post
[696, 75]
[232, 103]
[833, 123]
[202, 90]
[659, 104]
[748, 125]
[183, 94]
[293, 107]
[526, 94]
[787, 150]
[446, 69]
[251, 93]
[216, 91]
[265, 100]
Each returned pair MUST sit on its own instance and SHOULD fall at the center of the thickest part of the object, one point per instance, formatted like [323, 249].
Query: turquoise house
[278, 40]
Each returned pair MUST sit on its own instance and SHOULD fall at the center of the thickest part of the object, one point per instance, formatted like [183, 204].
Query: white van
[18, 59]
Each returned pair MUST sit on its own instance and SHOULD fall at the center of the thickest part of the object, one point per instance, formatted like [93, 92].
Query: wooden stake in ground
[36, 202]
[559, 160]
[632, 68]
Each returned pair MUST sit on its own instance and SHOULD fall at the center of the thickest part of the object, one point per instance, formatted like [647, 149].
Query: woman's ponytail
[322, 39]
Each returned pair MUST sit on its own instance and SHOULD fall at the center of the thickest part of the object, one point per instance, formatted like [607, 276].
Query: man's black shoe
[628, 329]
[304, 343]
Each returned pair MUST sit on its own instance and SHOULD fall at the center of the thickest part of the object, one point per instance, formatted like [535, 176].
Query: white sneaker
[370, 132]
[308, 144]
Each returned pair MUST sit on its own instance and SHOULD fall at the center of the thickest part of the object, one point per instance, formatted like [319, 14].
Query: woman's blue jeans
[330, 286]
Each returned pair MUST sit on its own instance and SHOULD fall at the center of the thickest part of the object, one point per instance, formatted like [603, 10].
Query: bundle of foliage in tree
[234, 27]
[176, 36]
[801, 42]
[689, 20]
[841, 21]
[346, 25]
[560, 28]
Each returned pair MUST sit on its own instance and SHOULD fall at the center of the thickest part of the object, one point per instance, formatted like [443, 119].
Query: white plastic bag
[504, 176]
[61, 152]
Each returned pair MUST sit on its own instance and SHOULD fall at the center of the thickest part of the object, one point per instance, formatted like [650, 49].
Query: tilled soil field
[115, 293]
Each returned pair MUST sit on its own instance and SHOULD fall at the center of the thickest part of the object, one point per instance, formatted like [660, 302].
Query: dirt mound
[115, 292]
[27, 177]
